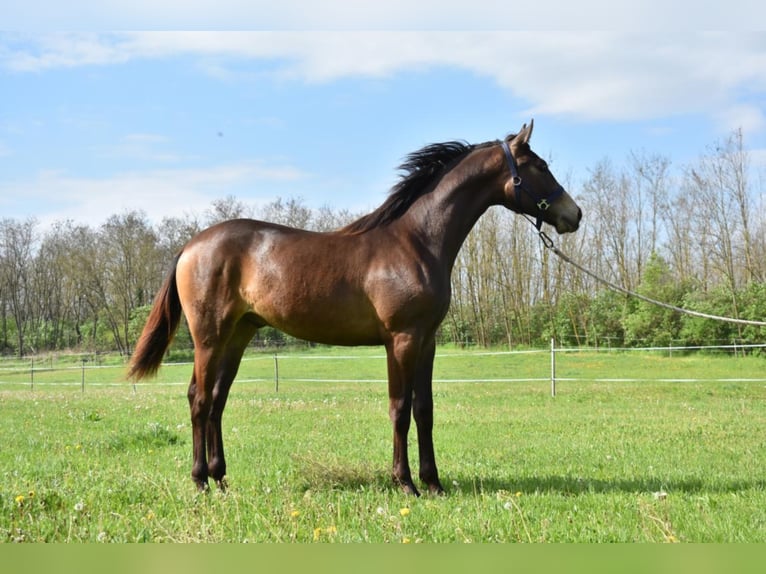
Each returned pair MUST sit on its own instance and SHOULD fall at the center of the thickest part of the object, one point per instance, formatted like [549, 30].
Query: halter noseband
[542, 203]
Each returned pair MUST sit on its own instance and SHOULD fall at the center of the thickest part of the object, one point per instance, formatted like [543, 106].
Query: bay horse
[382, 280]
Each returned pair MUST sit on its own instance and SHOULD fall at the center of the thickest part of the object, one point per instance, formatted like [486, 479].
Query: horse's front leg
[402, 360]
[423, 409]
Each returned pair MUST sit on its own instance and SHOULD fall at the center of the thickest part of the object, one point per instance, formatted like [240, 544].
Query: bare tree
[131, 267]
[17, 248]
[292, 212]
[226, 208]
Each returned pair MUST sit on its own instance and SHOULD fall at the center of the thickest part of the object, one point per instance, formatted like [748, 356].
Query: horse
[382, 280]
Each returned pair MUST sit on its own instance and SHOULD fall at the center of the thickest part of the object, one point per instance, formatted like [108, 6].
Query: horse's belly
[339, 329]
[341, 319]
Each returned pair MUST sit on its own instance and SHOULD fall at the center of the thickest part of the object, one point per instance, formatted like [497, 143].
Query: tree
[17, 246]
[652, 324]
[224, 209]
[291, 212]
[124, 271]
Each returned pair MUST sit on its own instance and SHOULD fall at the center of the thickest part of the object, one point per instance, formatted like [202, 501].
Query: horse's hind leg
[200, 404]
[227, 370]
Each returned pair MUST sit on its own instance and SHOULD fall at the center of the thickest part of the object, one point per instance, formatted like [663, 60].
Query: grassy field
[603, 461]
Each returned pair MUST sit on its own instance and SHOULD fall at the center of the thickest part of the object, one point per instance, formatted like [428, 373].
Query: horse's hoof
[407, 486]
[222, 484]
[436, 489]
[202, 486]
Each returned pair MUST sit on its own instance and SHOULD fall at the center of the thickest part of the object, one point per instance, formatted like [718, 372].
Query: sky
[323, 106]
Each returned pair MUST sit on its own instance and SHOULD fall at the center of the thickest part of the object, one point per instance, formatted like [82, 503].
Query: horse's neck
[444, 218]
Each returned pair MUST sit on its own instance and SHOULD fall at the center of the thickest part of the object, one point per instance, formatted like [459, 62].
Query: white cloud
[56, 196]
[374, 14]
[583, 75]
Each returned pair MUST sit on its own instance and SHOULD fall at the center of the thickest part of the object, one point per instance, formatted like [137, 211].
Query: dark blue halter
[542, 203]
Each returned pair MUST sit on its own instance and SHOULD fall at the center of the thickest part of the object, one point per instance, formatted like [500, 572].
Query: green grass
[603, 461]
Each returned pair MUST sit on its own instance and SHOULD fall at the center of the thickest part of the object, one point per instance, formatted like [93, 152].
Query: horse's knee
[423, 411]
[399, 413]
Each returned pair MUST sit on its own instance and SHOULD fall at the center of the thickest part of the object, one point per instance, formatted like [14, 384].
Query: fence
[552, 366]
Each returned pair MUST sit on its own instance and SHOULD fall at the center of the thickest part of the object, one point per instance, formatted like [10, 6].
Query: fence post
[553, 367]
[32, 375]
[82, 383]
[276, 374]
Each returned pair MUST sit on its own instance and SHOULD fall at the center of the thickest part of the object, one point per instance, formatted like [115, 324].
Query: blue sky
[93, 123]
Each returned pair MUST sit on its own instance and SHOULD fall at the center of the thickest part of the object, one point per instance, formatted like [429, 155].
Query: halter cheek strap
[542, 203]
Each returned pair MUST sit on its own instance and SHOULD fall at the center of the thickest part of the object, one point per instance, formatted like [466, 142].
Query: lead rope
[549, 244]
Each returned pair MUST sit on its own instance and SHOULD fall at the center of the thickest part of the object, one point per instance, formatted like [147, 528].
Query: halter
[542, 203]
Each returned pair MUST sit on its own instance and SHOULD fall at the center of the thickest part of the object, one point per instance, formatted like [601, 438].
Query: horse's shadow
[568, 485]
[338, 476]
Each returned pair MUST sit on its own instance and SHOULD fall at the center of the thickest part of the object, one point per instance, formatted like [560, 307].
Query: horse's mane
[422, 171]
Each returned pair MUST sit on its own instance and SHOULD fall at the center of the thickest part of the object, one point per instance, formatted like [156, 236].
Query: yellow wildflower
[404, 511]
[19, 499]
[295, 514]
[405, 540]
[317, 533]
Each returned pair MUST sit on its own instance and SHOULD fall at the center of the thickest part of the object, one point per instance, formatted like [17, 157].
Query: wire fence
[554, 366]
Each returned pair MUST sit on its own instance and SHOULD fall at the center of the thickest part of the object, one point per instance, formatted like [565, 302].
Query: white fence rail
[87, 371]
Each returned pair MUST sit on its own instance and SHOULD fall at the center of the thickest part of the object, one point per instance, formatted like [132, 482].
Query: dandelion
[380, 511]
[404, 511]
[79, 507]
[518, 494]
[406, 540]
[20, 499]
[295, 514]
[149, 516]
[317, 533]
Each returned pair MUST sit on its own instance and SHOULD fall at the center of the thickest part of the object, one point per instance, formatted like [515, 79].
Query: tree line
[691, 236]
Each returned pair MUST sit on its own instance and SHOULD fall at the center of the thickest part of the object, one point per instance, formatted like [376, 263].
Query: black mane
[422, 171]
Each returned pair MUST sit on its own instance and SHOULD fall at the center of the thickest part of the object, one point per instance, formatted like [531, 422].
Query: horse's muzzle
[568, 223]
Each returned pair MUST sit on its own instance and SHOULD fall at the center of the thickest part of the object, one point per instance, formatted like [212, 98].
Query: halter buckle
[543, 204]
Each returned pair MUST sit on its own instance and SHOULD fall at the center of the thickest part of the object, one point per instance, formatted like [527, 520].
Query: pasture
[603, 461]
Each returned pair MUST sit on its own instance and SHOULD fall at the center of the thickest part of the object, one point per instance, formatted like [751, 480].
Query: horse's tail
[159, 330]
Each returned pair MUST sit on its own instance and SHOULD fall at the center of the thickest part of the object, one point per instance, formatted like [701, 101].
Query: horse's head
[532, 189]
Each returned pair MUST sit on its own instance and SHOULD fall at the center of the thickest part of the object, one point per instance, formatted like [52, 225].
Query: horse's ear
[524, 134]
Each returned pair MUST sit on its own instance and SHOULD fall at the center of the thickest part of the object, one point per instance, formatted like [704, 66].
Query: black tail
[159, 330]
